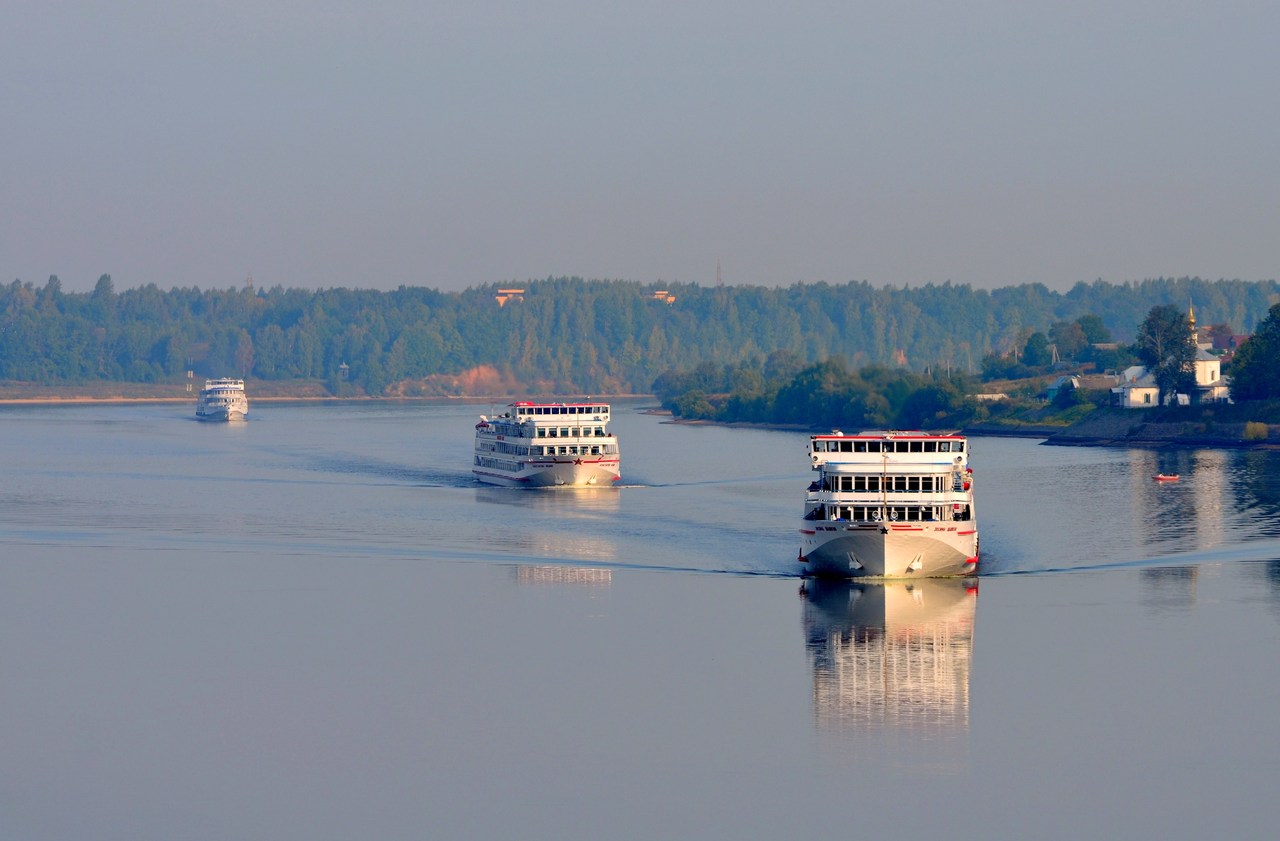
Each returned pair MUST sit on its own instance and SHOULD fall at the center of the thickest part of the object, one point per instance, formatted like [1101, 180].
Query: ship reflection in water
[575, 524]
[891, 656]
[554, 574]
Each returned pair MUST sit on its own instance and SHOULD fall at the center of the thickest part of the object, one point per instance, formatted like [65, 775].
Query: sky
[377, 144]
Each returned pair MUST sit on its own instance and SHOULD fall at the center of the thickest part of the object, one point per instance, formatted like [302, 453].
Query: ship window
[917, 446]
[913, 484]
[859, 446]
[957, 447]
[595, 449]
[846, 446]
[873, 446]
[873, 483]
[930, 446]
[899, 483]
[819, 447]
[859, 483]
[944, 446]
[551, 432]
[564, 432]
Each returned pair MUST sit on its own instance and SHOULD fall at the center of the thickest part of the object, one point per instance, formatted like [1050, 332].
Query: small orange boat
[1166, 477]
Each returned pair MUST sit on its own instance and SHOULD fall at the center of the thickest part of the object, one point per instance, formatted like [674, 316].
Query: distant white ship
[547, 445]
[889, 505]
[222, 399]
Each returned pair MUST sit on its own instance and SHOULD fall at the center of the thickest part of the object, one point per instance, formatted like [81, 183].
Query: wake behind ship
[889, 505]
[222, 399]
[547, 445]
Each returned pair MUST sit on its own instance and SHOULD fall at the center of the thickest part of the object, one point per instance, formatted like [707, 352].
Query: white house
[1137, 389]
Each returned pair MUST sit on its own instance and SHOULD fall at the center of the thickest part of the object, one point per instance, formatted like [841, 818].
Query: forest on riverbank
[1053, 401]
[553, 336]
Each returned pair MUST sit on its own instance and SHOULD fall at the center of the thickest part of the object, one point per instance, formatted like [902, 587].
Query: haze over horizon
[448, 145]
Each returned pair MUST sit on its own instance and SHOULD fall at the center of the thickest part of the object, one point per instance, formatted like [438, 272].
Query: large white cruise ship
[889, 505]
[222, 399]
[547, 445]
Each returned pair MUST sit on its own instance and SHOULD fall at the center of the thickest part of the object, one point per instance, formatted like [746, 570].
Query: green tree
[1255, 371]
[1164, 345]
[1036, 354]
[1095, 332]
[1069, 338]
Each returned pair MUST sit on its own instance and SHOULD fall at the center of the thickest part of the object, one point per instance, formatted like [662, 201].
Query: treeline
[563, 335]
[781, 390]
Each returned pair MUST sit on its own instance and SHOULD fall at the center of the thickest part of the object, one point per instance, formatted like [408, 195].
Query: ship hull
[566, 474]
[917, 550]
[222, 415]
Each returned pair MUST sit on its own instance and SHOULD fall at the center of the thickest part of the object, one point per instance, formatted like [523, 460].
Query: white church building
[1138, 389]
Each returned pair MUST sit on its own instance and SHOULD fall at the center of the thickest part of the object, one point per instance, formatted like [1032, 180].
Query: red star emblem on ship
[577, 461]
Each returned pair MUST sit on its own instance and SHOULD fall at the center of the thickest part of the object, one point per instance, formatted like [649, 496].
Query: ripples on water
[352, 478]
[322, 599]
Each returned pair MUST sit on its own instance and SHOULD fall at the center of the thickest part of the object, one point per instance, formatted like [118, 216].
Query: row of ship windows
[574, 450]
[888, 446]
[889, 484]
[530, 411]
[893, 513]
[570, 432]
[551, 450]
[497, 464]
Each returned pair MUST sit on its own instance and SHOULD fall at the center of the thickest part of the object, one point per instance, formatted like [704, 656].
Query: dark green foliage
[570, 335]
[1093, 328]
[1067, 396]
[1164, 345]
[825, 395]
[1069, 338]
[1255, 371]
[1036, 354]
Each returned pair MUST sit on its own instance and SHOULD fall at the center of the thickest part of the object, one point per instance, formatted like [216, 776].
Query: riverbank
[260, 391]
[1171, 428]
[12, 393]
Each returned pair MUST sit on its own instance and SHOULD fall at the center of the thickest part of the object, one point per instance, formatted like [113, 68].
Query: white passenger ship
[222, 399]
[547, 445]
[889, 505]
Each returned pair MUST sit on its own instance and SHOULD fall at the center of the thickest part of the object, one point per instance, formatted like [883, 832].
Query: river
[316, 625]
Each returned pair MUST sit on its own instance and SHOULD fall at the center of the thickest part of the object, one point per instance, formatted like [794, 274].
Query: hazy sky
[374, 144]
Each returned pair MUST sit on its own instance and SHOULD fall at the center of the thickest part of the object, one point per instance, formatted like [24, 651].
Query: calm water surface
[316, 625]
